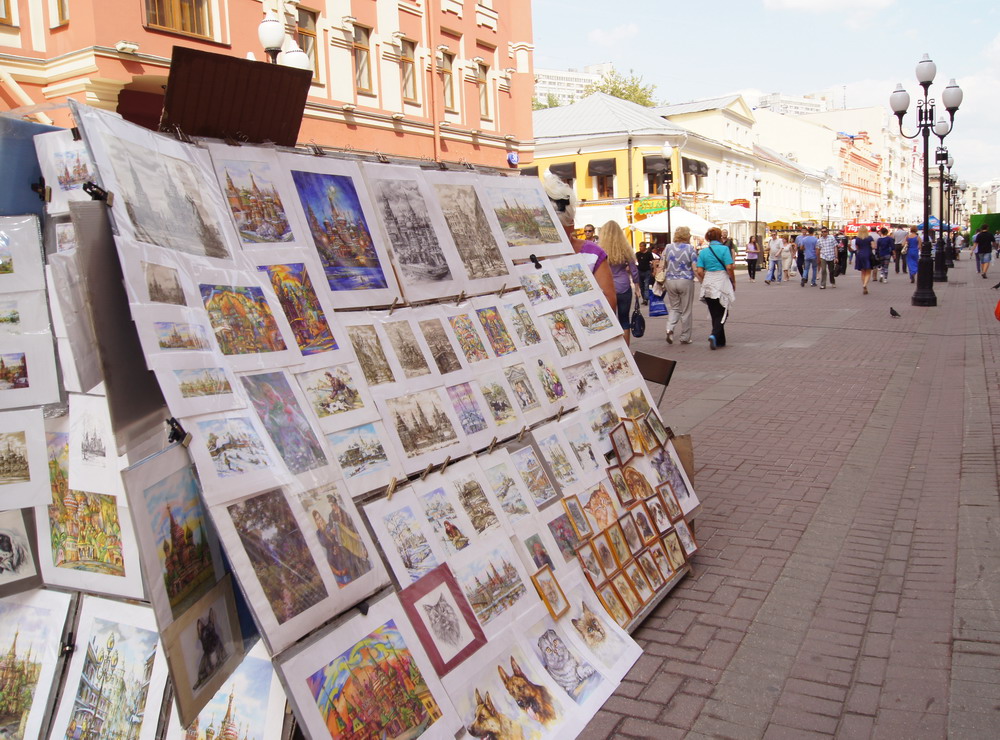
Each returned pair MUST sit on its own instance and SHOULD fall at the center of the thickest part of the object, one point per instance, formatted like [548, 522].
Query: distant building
[567, 86]
[790, 105]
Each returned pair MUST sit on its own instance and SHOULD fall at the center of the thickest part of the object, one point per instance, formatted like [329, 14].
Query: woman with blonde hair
[621, 257]
[677, 266]
[864, 258]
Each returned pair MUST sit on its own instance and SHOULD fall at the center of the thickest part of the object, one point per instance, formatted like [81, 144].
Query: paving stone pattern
[849, 578]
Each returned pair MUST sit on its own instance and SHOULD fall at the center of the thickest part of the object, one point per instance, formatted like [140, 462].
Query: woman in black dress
[864, 260]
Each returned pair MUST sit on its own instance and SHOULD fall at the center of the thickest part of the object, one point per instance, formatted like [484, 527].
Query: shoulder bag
[638, 324]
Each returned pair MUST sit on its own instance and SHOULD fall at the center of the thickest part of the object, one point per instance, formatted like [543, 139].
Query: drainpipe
[432, 84]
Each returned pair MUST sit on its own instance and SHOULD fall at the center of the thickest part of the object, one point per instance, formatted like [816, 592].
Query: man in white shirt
[776, 256]
[898, 242]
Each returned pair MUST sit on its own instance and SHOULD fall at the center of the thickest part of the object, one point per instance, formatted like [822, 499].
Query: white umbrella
[678, 217]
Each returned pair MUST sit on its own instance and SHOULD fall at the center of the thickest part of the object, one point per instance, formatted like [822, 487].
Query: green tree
[627, 88]
[551, 101]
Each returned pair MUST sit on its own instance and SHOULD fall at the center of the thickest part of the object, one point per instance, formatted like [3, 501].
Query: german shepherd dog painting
[531, 697]
[490, 724]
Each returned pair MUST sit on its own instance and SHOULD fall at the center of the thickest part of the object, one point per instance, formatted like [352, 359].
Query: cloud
[827, 6]
[614, 36]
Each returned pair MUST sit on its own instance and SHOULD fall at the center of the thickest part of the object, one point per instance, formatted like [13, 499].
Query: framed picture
[587, 555]
[644, 523]
[634, 436]
[550, 591]
[675, 551]
[688, 541]
[659, 556]
[658, 513]
[627, 593]
[19, 568]
[598, 505]
[443, 619]
[613, 604]
[621, 441]
[627, 524]
[639, 581]
[649, 440]
[670, 504]
[653, 574]
[637, 482]
[577, 517]
[622, 491]
[605, 555]
[616, 541]
[655, 425]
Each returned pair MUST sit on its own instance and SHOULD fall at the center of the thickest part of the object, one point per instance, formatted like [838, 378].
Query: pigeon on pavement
[894, 313]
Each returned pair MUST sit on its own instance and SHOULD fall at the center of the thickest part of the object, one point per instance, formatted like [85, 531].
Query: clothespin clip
[177, 433]
[381, 158]
[316, 149]
[521, 435]
[391, 489]
[76, 133]
[503, 289]
[535, 262]
[392, 308]
[559, 415]
[69, 646]
[363, 608]
[445, 463]
[98, 193]
[442, 166]
[427, 471]
[489, 450]
[461, 297]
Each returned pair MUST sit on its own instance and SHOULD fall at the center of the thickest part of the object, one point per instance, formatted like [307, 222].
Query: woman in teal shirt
[718, 284]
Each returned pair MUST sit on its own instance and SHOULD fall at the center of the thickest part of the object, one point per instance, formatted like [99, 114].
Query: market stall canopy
[602, 167]
[678, 217]
[565, 170]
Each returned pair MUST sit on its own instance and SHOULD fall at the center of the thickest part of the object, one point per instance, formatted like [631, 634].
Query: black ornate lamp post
[828, 206]
[756, 207]
[668, 181]
[899, 101]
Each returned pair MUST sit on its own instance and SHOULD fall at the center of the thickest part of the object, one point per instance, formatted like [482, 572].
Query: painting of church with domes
[254, 202]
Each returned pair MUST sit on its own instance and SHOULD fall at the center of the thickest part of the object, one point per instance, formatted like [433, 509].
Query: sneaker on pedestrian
[822, 287]
[670, 337]
[711, 341]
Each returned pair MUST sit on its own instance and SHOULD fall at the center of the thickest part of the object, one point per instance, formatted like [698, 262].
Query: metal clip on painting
[442, 165]
[177, 433]
[381, 158]
[230, 140]
[390, 490]
[67, 648]
[76, 133]
[535, 262]
[181, 136]
[98, 193]
[670, 433]
[43, 191]
[363, 608]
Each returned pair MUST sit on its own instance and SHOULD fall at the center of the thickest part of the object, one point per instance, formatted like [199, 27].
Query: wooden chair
[655, 370]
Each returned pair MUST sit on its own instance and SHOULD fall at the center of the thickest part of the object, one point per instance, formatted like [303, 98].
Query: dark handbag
[638, 323]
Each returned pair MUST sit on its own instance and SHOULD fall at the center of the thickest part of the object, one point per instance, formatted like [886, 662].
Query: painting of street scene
[337, 532]
[289, 429]
[470, 416]
[234, 446]
[26, 634]
[254, 202]
[203, 381]
[85, 531]
[524, 324]
[359, 451]
[593, 317]
[331, 391]
[171, 335]
[523, 216]
[411, 545]
[410, 232]
[421, 423]
[111, 697]
[368, 349]
[13, 458]
[163, 284]
[473, 499]
[441, 349]
[13, 371]
[491, 583]
[278, 554]
[163, 199]
[501, 480]
[242, 319]
[298, 300]
[374, 689]
[340, 231]
[468, 338]
[180, 531]
[533, 476]
[471, 231]
[498, 402]
[441, 515]
[574, 279]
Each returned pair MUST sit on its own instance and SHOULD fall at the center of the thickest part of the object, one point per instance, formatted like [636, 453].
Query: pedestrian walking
[644, 259]
[912, 250]
[884, 247]
[985, 243]
[864, 256]
[729, 242]
[788, 260]
[810, 256]
[677, 267]
[621, 257]
[827, 247]
[776, 258]
[718, 284]
[898, 242]
[800, 255]
[753, 254]
[842, 253]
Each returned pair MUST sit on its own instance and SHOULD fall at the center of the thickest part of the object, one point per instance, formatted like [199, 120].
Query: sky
[860, 48]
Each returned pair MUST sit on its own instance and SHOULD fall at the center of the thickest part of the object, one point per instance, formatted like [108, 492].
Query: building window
[186, 16]
[62, 9]
[448, 80]
[362, 59]
[408, 70]
[5, 15]
[605, 186]
[484, 91]
[305, 29]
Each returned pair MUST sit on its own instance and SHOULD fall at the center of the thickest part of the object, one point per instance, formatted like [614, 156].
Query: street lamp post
[949, 243]
[756, 208]
[899, 101]
[828, 206]
[271, 34]
[668, 182]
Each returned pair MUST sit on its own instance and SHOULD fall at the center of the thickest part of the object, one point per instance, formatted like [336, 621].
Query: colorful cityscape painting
[241, 703]
[26, 634]
[254, 202]
[374, 689]
[174, 336]
[491, 583]
[340, 231]
[203, 381]
[523, 217]
[13, 371]
[242, 319]
[301, 306]
[233, 446]
[85, 531]
[13, 458]
[274, 401]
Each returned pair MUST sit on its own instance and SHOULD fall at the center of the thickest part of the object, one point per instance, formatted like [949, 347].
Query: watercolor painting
[278, 554]
[203, 381]
[421, 423]
[17, 560]
[6, 256]
[73, 167]
[254, 201]
[468, 338]
[340, 231]
[470, 231]
[524, 324]
[549, 379]
[473, 499]
[331, 391]
[582, 379]
[374, 689]
[368, 348]
[408, 352]
[593, 318]
[242, 319]
[539, 287]
[289, 429]
[615, 366]
[338, 533]
[570, 671]
[13, 458]
[565, 536]
[557, 458]
[496, 331]
[441, 515]
[574, 279]
[533, 475]
[501, 479]
[597, 502]
[301, 307]
[85, 531]
[409, 231]
[172, 335]
[582, 448]
[10, 316]
[563, 333]
[163, 284]
[635, 404]
[523, 217]
[234, 446]
[359, 451]
[491, 583]
[470, 416]
[412, 546]
[13, 371]
[539, 554]
[517, 376]
[602, 420]
[441, 349]
[180, 531]
[498, 402]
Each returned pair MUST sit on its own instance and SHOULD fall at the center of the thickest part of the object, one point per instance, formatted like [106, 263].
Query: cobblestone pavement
[849, 578]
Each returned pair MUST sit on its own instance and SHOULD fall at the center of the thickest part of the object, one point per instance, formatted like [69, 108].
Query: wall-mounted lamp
[443, 47]
[271, 34]
[348, 107]
[127, 47]
[397, 37]
[348, 22]
[478, 60]
[509, 71]
[398, 116]
[509, 137]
